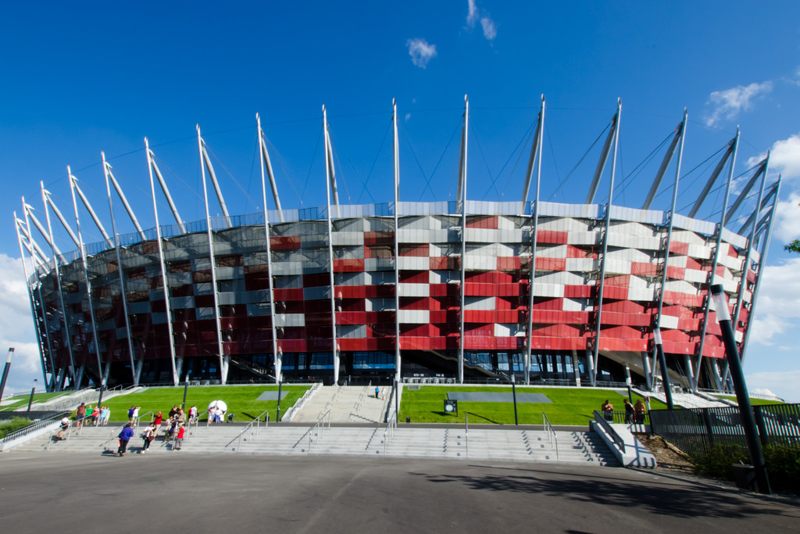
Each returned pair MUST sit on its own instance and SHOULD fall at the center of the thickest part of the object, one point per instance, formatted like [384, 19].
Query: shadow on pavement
[677, 500]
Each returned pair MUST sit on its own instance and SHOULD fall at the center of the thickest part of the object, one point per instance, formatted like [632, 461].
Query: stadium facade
[401, 290]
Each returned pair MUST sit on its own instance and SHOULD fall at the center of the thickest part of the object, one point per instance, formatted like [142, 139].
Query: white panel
[677, 261]
[290, 319]
[379, 264]
[734, 239]
[564, 225]
[580, 264]
[480, 263]
[481, 235]
[421, 208]
[482, 207]
[554, 209]
[696, 275]
[681, 286]
[641, 295]
[669, 321]
[695, 225]
[413, 290]
[287, 267]
[413, 263]
[340, 238]
[629, 254]
[617, 266]
[700, 251]
[576, 304]
[583, 238]
[414, 316]
[547, 289]
[682, 236]
[560, 278]
[479, 303]
[558, 251]
[633, 214]
[630, 228]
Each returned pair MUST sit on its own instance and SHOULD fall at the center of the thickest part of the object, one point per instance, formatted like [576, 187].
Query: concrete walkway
[346, 404]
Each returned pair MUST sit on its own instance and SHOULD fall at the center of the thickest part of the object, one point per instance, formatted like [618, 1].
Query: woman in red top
[157, 419]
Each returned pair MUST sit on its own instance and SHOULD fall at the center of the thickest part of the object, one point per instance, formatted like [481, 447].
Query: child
[180, 436]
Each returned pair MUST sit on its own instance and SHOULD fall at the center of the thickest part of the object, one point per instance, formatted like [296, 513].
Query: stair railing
[551, 433]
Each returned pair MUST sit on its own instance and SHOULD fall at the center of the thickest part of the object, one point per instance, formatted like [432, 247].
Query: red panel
[295, 294]
[552, 237]
[575, 252]
[676, 273]
[624, 306]
[679, 248]
[578, 292]
[482, 221]
[551, 264]
[284, 242]
[378, 238]
[348, 266]
[640, 268]
[556, 304]
[614, 292]
[509, 264]
[627, 319]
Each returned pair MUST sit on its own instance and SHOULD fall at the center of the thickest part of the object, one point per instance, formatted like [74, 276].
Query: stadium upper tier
[459, 290]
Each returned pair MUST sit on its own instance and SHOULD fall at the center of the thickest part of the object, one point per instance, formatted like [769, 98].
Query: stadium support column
[121, 272]
[536, 153]
[679, 134]
[72, 181]
[223, 360]
[329, 178]
[712, 274]
[32, 302]
[266, 165]
[49, 238]
[164, 281]
[462, 206]
[607, 226]
[762, 261]
[747, 257]
[396, 159]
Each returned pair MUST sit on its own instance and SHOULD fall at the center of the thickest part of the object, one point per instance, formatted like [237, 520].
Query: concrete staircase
[570, 447]
[347, 404]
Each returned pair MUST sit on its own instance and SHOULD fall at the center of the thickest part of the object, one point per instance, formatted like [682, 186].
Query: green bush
[12, 425]
[783, 464]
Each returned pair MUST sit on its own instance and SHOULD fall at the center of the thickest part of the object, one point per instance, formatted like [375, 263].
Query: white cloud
[488, 26]
[787, 224]
[16, 326]
[472, 13]
[785, 157]
[489, 29]
[784, 384]
[777, 310]
[728, 103]
[421, 51]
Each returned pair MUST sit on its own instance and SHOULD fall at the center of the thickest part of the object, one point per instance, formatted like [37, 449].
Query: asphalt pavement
[82, 493]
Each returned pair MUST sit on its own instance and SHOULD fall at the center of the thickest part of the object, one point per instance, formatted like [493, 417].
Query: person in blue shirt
[124, 437]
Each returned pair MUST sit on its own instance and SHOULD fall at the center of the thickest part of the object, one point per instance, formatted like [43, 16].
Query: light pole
[6, 370]
[513, 393]
[740, 386]
[662, 362]
[33, 390]
[280, 383]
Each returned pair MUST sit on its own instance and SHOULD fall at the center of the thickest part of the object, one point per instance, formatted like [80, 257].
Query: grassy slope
[7, 427]
[754, 401]
[241, 400]
[569, 406]
[21, 400]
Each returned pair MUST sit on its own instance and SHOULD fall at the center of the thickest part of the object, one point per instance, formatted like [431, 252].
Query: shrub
[717, 461]
[12, 425]
[783, 464]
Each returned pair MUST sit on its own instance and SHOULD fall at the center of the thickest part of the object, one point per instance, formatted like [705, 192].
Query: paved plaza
[85, 493]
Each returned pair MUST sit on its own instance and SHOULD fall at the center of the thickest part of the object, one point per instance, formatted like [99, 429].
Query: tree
[794, 246]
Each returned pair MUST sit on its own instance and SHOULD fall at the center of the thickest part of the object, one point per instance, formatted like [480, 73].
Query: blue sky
[80, 79]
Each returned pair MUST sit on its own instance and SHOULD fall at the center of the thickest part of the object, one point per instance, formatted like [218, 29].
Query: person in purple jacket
[124, 437]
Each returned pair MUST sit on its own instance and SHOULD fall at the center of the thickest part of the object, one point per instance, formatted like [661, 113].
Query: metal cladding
[461, 290]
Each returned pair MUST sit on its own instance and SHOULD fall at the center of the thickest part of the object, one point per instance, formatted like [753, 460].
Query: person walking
[179, 437]
[80, 415]
[608, 411]
[124, 437]
[641, 411]
[628, 412]
[148, 436]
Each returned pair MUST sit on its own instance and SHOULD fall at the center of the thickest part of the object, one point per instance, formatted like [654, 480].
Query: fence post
[762, 428]
[709, 429]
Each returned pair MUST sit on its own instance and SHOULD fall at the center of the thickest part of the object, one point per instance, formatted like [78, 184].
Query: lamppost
[513, 383]
[33, 390]
[6, 370]
[740, 386]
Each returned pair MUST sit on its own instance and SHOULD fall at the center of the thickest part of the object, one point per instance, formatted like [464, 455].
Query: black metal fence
[697, 430]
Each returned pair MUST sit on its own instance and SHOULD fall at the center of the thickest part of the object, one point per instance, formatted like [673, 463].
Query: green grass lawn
[241, 400]
[11, 425]
[21, 400]
[754, 401]
[568, 406]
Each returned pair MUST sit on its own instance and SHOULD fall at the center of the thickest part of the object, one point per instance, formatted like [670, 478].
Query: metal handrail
[35, 425]
[319, 427]
[618, 441]
[551, 432]
[247, 428]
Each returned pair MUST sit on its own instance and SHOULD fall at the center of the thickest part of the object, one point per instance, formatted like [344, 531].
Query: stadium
[454, 292]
